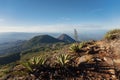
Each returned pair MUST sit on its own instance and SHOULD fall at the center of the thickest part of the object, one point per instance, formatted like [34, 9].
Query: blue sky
[58, 15]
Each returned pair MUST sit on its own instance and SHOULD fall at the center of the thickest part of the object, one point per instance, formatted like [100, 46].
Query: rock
[84, 58]
[108, 60]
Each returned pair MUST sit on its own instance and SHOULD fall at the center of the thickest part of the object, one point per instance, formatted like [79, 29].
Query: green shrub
[27, 66]
[83, 44]
[63, 59]
[35, 63]
[113, 34]
[74, 48]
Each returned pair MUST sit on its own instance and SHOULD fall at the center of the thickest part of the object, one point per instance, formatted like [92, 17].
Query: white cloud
[54, 28]
[61, 27]
[41, 28]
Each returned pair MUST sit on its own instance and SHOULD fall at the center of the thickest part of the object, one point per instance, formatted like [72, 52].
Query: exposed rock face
[66, 38]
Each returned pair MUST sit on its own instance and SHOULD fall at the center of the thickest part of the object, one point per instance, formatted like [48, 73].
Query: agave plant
[77, 48]
[63, 59]
[82, 44]
[28, 66]
[74, 48]
[35, 63]
[38, 61]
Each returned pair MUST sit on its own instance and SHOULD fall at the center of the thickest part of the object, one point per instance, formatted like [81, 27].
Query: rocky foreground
[96, 60]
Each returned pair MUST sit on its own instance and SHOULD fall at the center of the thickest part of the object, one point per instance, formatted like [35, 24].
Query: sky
[58, 15]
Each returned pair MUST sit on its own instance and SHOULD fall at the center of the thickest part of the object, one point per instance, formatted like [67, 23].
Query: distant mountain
[20, 43]
[44, 39]
[41, 40]
[15, 36]
[15, 49]
[17, 42]
[35, 42]
[66, 38]
[82, 35]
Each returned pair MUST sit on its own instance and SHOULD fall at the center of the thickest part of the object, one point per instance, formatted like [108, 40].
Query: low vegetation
[113, 34]
[76, 47]
[63, 59]
[34, 64]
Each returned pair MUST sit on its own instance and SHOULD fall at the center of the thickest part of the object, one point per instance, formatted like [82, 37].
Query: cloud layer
[55, 28]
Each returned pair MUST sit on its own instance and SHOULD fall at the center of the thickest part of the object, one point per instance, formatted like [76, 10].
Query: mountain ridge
[66, 38]
[37, 43]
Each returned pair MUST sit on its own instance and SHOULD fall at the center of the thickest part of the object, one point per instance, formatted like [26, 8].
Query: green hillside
[34, 45]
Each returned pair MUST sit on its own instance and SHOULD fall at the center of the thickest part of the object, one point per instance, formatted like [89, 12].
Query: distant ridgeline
[66, 38]
[11, 51]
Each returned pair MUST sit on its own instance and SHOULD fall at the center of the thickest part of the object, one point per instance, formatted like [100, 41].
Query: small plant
[74, 48]
[113, 34]
[82, 44]
[63, 62]
[28, 66]
[63, 59]
[35, 63]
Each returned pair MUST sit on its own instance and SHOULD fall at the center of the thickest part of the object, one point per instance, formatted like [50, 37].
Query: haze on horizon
[58, 15]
